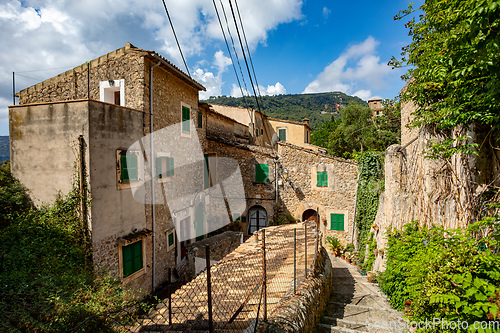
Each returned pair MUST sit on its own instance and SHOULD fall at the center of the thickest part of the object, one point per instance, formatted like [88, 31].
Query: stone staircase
[357, 305]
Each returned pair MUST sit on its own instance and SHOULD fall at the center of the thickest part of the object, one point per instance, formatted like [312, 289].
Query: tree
[357, 131]
[454, 65]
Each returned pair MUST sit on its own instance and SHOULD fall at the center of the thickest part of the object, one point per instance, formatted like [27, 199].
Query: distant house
[90, 127]
[376, 106]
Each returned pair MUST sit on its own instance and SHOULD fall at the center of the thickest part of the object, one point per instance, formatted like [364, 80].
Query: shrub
[447, 274]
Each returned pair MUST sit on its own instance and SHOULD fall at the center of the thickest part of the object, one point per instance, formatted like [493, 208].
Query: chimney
[306, 121]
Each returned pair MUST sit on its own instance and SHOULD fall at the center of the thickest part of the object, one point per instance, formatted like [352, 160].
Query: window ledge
[134, 275]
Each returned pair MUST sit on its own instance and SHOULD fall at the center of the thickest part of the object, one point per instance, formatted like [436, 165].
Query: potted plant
[408, 307]
[375, 226]
[375, 252]
[381, 252]
[372, 277]
[333, 243]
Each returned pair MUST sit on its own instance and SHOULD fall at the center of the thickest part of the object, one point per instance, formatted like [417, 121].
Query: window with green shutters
[129, 171]
[262, 173]
[132, 258]
[186, 116]
[200, 120]
[171, 239]
[164, 166]
[337, 222]
[322, 179]
[282, 134]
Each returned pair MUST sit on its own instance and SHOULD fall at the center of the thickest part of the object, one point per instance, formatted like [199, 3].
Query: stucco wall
[303, 194]
[44, 146]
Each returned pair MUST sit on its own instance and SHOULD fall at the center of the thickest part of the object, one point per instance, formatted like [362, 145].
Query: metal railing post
[169, 292]
[264, 278]
[305, 250]
[209, 291]
[294, 260]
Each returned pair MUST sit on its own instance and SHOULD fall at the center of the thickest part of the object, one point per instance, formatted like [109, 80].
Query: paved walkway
[357, 305]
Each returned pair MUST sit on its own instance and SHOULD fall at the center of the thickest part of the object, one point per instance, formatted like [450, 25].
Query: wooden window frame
[140, 271]
[336, 227]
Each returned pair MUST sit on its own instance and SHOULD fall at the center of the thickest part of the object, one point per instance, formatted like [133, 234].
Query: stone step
[324, 328]
[363, 299]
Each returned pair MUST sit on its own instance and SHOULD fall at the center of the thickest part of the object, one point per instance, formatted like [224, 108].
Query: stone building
[376, 106]
[163, 170]
[312, 182]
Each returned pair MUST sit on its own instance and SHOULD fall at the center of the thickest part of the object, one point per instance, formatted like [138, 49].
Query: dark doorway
[309, 215]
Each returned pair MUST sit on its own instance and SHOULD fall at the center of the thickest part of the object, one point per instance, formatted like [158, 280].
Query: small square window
[132, 258]
[170, 239]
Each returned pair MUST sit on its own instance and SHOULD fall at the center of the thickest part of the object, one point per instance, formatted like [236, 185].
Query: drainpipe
[152, 168]
[355, 206]
[13, 88]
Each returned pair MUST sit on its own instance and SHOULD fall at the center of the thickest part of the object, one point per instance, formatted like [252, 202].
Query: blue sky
[296, 46]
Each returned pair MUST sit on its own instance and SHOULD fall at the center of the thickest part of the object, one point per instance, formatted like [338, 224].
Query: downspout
[152, 168]
[355, 206]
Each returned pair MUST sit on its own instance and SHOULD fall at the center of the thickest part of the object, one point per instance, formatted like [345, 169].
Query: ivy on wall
[370, 185]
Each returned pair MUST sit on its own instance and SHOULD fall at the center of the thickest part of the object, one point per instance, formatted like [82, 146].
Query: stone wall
[125, 63]
[449, 193]
[220, 246]
[247, 156]
[303, 309]
[299, 192]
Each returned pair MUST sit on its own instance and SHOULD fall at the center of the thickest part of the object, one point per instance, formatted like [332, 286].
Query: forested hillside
[317, 107]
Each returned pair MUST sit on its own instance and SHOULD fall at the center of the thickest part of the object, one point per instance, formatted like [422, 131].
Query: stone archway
[310, 215]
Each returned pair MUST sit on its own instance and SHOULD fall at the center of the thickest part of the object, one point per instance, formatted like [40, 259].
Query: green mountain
[317, 107]
[4, 148]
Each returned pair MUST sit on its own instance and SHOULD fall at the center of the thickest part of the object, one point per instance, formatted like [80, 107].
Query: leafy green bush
[447, 274]
[46, 275]
[333, 243]
[14, 199]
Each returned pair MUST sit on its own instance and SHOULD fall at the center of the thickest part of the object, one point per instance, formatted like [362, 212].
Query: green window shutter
[132, 258]
[200, 120]
[128, 167]
[282, 134]
[322, 178]
[206, 181]
[159, 169]
[186, 116]
[171, 239]
[337, 222]
[261, 173]
[170, 166]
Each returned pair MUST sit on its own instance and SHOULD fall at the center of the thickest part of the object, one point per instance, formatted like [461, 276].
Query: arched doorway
[309, 215]
[257, 219]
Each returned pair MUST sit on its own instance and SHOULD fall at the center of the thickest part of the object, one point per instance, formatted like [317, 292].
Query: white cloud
[4, 111]
[40, 34]
[277, 89]
[363, 94]
[326, 12]
[356, 71]
[212, 82]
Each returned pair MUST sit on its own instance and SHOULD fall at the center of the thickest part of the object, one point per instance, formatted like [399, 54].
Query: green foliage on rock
[447, 274]
[295, 107]
[356, 130]
[46, 275]
[370, 185]
[453, 65]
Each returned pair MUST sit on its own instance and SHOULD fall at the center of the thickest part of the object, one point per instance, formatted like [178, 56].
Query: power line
[244, 56]
[234, 48]
[175, 35]
[248, 50]
[229, 51]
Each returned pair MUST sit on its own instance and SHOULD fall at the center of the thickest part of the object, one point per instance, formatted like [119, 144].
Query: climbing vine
[370, 185]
